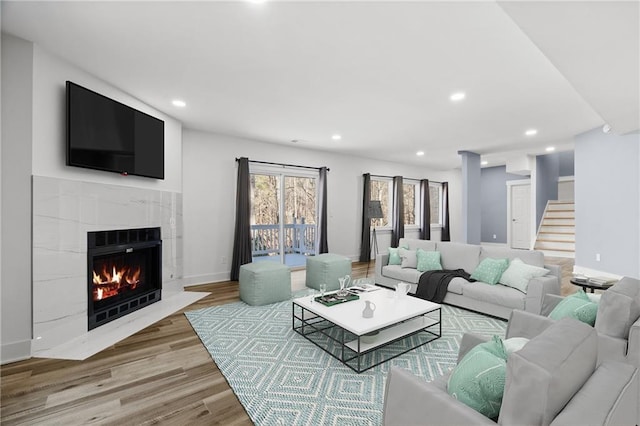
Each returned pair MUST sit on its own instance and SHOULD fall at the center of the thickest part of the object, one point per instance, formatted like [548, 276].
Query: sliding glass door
[283, 216]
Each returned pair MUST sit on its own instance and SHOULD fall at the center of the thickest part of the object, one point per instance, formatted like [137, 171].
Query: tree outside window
[380, 191]
[409, 193]
[435, 201]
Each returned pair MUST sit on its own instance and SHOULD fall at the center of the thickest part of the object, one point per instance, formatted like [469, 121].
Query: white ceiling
[378, 73]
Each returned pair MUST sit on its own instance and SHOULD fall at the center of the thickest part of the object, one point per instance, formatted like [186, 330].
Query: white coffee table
[340, 329]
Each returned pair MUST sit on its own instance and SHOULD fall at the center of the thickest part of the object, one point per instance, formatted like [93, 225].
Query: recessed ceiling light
[531, 132]
[550, 149]
[484, 163]
[457, 96]
[420, 153]
[179, 103]
[336, 137]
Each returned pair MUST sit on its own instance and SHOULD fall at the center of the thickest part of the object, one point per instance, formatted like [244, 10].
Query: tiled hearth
[63, 212]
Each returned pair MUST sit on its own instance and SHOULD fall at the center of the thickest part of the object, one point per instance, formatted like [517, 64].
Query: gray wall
[16, 197]
[607, 196]
[471, 221]
[566, 159]
[547, 173]
[493, 203]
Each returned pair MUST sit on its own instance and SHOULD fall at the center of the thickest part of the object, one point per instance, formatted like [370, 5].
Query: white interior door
[520, 216]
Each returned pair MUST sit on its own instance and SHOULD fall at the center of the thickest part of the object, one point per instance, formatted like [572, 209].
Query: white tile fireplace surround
[63, 212]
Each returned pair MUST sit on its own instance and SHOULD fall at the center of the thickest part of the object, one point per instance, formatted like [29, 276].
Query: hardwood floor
[161, 375]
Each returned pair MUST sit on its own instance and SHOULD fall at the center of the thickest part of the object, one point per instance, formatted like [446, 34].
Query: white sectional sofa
[497, 300]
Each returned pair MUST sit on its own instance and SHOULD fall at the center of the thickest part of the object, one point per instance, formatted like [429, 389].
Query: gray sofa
[617, 323]
[553, 380]
[497, 300]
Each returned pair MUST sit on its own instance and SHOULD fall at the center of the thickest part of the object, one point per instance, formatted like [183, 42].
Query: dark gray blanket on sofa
[433, 285]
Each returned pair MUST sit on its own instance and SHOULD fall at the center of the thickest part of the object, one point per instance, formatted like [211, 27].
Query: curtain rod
[391, 177]
[283, 164]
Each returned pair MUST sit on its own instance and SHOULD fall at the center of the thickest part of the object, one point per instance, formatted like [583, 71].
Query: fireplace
[124, 272]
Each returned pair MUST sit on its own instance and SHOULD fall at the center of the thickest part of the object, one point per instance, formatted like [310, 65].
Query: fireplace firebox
[124, 272]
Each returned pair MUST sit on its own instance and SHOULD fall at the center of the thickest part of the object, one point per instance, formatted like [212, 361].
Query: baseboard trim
[206, 279]
[16, 351]
[494, 244]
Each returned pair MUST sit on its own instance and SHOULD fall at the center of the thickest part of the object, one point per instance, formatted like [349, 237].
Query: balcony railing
[299, 238]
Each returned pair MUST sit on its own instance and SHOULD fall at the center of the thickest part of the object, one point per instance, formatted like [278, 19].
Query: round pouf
[262, 283]
[327, 268]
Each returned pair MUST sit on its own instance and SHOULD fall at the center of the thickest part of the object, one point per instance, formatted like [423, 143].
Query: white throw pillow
[514, 344]
[595, 298]
[519, 273]
[409, 258]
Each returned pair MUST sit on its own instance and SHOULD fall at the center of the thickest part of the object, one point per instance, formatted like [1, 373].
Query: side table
[586, 285]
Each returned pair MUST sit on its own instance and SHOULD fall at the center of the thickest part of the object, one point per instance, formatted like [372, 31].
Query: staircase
[557, 233]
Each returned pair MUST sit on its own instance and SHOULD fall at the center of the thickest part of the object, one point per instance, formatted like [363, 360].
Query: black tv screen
[104, 134]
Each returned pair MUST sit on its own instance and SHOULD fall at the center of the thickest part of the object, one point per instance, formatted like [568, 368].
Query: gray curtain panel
[242, 236]
[397, 231]
[323, 246]
[425, 231]
[445, 206]
[365, 241]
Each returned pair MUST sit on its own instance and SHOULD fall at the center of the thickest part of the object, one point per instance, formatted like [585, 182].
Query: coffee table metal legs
[326, 335]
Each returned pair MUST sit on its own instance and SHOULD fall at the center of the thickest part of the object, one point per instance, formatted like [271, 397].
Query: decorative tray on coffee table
[334, 299]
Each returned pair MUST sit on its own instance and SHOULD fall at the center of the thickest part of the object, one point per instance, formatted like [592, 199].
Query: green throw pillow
[394, 256]
[478, 379]
[577, 306]
[490, 270]
[428, 260]
[518, 274]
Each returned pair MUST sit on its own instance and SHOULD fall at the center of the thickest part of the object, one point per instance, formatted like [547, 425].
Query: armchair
[552, 380]
[617, 324]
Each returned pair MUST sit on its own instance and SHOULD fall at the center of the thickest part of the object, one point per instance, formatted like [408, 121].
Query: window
[283, 215]
[411, 195]
[435, 202]
[381, 190]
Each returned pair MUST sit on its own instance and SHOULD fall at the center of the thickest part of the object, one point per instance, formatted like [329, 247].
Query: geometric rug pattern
[283, 379]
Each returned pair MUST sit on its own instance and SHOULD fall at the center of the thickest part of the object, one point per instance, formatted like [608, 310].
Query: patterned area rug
[283, 379]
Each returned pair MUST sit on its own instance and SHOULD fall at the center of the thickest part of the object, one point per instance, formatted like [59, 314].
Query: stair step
[561, 202]
[558, 229]
[550, 236]
[558, 249]
[555, 253]
[557, 207]
[555, 245]
[559, 215]
[558, 221]
[555, 240]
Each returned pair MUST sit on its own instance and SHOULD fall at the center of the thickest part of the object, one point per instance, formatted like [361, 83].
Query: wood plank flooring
[161, 375]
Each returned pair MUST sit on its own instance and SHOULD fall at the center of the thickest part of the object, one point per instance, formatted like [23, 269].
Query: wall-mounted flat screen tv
[104, 134]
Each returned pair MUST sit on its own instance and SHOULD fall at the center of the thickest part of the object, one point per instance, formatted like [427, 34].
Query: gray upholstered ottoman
[327, 268]
[262, 283]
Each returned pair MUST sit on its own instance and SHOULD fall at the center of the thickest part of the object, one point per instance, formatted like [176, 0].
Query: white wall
[209, 177]
[33, 143]
[17, 62]
[607, 200]
[49, 127]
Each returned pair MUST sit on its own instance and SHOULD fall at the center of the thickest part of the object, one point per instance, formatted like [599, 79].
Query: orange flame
[109, 283]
